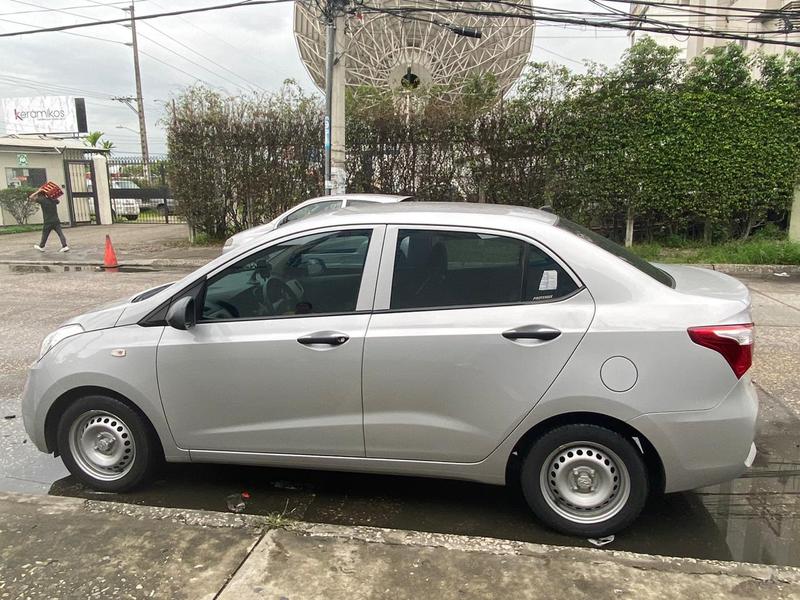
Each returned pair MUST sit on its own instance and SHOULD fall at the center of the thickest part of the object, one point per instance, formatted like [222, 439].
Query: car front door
[274, 363]
[469, 329]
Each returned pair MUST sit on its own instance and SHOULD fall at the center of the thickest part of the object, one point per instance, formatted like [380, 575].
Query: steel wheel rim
[585, 482]
[102, 445]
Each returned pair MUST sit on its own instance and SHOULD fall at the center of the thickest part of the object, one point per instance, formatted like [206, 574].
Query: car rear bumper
[704, 447]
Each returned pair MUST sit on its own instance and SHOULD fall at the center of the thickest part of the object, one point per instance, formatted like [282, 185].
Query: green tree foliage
[236, 162]
[710, 148]
[15, 201]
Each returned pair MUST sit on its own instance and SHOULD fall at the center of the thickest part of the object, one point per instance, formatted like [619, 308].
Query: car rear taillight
[734, 342]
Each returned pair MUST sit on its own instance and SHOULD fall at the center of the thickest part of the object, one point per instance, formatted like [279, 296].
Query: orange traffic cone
[110, 258]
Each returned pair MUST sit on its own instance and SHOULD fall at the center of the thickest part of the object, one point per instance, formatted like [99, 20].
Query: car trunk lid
[705, 282]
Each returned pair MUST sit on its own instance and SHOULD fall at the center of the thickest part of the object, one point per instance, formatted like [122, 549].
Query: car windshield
[623, 253]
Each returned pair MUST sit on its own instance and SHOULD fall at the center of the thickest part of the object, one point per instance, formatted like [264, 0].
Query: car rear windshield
[618, 251]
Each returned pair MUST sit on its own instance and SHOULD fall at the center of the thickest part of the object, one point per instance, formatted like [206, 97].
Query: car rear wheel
[131, 217]
[105, 444]
[585, 480]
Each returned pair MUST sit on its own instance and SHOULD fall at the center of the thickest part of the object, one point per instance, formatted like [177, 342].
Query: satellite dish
[389, 52]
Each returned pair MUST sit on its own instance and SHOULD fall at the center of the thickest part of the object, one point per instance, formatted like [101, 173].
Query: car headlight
[58, 336]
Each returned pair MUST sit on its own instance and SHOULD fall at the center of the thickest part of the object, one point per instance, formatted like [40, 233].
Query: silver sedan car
[466, 341]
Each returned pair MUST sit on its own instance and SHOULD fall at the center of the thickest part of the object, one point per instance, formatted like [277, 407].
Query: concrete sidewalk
[135, 244]
[53, 547]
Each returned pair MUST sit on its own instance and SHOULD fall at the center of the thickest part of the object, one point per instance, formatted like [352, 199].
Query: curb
[377, 535]
[738, 269]
[155, 264]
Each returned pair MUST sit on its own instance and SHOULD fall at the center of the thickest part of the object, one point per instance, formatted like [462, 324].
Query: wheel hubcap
[102, 445]
[585, 482]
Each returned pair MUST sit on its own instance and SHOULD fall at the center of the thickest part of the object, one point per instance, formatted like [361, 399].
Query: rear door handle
[327, 338]
[532, 332]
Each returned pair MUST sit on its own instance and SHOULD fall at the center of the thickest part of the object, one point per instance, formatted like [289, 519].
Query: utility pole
[335, 80]
[139, 98]
[335, 172]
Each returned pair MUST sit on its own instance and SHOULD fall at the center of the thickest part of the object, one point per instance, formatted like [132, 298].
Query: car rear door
[470, 328]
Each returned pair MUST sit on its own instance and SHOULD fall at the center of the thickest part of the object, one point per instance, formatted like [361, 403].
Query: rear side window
[622, 253]
[452, 268]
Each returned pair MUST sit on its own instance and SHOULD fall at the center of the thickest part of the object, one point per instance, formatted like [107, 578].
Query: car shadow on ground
[674, 524]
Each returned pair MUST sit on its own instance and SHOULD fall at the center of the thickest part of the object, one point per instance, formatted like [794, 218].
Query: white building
[770, 19]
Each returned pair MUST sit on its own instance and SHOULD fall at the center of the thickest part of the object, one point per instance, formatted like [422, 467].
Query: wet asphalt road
[755, 518]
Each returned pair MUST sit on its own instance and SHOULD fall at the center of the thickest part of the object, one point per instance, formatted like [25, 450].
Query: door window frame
[366, 291]
[383, 294]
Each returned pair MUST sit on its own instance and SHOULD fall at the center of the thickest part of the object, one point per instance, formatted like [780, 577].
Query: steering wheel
[277, 297]
[217, 310]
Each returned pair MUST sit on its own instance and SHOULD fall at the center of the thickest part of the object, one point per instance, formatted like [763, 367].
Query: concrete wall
[794, 217]
[51, 161]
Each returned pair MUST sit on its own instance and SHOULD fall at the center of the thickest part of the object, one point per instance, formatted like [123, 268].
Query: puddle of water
[755, 518]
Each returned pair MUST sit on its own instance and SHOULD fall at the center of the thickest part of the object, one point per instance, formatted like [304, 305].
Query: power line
[173, 13]
[143, 36]
[253, 86]
[758, 12]
[17, 80]
[213, 35]
[41, 10]
[190, 49]
[402, 11]
[88, 37]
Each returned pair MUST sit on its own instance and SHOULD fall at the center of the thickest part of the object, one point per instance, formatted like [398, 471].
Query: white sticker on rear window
[549, 281]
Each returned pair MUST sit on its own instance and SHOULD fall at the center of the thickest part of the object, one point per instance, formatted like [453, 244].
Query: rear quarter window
[620, 252]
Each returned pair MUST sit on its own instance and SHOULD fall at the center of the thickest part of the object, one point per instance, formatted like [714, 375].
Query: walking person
[47, 197]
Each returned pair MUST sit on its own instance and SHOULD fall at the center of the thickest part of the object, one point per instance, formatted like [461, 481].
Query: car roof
[433, 213]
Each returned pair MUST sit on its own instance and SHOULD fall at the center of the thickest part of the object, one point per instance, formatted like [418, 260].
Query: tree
[15, 200]
[93, 139]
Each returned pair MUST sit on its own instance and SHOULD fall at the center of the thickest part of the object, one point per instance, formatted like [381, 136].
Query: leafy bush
[15, 201]
[750, 252]
[703, 151]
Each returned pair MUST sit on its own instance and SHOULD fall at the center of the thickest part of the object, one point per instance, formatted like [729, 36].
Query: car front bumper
[704, 447]
[34, 424]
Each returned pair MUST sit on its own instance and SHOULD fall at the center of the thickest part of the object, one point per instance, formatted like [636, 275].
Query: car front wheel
[585, 480]
[106, 444]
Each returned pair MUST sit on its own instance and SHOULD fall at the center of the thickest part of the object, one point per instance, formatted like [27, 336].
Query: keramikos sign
[44, 114]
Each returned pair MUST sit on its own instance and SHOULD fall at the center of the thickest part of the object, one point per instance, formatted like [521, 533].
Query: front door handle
[532, 332]
[326, 338]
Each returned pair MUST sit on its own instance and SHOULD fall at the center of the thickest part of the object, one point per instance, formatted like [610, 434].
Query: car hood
[107, 315]
[102, 317]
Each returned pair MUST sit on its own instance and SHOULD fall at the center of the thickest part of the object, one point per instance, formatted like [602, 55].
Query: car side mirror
[181, 314]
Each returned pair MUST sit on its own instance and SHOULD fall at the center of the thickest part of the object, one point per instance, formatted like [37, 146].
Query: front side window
[317, 208]
[313, 274]
[453, 268]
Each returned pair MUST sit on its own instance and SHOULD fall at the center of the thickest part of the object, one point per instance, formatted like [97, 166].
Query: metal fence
[140, 191]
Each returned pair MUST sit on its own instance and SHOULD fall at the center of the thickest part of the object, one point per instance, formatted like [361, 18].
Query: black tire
[131, 217]
[541, 488]
[134, 431]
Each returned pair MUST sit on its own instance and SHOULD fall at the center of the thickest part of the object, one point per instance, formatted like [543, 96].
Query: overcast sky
[238, 48]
